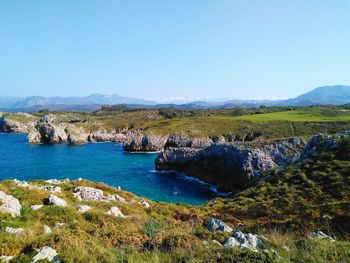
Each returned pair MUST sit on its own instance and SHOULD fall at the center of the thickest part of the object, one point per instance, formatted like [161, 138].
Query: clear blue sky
[180, 48]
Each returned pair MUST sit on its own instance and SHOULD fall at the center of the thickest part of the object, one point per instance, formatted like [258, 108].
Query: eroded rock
[114, 211]
[56, 201]
[46, 253]
[9, 204]
[216, 224]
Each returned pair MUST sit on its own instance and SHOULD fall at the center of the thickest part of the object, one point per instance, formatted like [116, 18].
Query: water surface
[99, 162]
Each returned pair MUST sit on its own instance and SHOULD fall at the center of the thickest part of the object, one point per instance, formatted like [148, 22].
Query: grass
[282, 207]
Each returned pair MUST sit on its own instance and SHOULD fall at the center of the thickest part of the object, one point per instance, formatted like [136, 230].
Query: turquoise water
[102, 162]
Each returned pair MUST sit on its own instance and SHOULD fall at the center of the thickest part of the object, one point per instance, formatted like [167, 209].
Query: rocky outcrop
[50, 188]
[145, 143]
[114, 211]
[9, 204]
[182, 140]
[216, 224]
[228, 166]
[46, 253]
[83, 209]
[241, 240]
[56, 201]
[89, 194]
[13, 126]
[104, 136]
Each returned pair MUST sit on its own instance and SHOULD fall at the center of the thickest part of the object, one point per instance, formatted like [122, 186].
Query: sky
[158, 49]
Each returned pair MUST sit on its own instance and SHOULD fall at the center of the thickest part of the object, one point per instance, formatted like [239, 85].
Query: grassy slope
[283, 207]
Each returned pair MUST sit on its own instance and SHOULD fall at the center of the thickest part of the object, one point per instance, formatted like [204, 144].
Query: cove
[99, 162]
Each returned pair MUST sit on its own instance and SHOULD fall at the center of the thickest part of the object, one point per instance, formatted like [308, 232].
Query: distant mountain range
[335, 95]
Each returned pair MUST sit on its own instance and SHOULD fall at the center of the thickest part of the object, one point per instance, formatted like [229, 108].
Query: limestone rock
[85, 193]
[9, 204]
[114, 211]
[36, 207]
[14, 231]
[145, 204]
[321, 235]
[241, 240]
[83, 209]
[46, 253]
[6, 259]
[34, 137]
[216, 224]
[145, 143]
[56, 201]
[47, 229]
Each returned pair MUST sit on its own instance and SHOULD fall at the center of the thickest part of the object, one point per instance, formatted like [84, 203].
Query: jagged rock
[227, 166]
[48, 119]
[84, 193]
[36, 207]
[114, 211]
[318, 142]
[53, 189]
[9, 204]
[14, 231]
[76, 136]
[46, 253]
[183, 140]
[34, 137]
[218, 139]
[56, 181]
[321, 235]
[6, 259]
[89, 194]
[47, 229]
[83, 209]
[108, 137]
[51, 134]
[145, 204]
[8, 125]
[241, 240]
[216, 224]
[145, 143]
[56, 201]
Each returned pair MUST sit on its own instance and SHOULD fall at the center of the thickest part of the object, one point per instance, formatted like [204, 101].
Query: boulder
[46, 253]
[85, 193]
[114, 211]
[216, 224]
[89, 194]
[145, 204]
[47, 229]
[83, 209]
[9, 204]
[241, 240]
[145, 143]
[6, 259]
[56, 201]
[14, 231]
[321, 235]
[36, 207]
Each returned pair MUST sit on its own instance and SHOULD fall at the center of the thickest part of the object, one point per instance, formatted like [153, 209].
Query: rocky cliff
[228, 166]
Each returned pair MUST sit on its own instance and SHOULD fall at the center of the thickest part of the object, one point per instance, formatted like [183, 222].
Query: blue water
[101, 162]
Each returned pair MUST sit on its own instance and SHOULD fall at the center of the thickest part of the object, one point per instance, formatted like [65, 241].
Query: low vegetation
[283, 207]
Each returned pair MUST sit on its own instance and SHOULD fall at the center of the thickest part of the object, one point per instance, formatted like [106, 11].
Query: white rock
[47, 253]
[321, 235]
[36, 207]
[47, 229]
[54, 189]
[145, 204]
[6, 259]
[83, 209]
[241, 240]
[114, 211]
[12, 230]
[56, 201]
[216, 224]
[85, 193]
[9, 204]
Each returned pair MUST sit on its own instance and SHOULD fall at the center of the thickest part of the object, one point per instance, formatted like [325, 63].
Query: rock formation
[228, 166]
[145, 143]
[9, 204]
